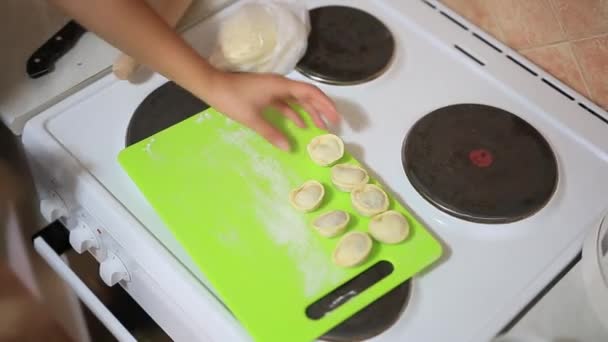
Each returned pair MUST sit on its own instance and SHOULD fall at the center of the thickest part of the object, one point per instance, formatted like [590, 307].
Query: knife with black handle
[43, 60]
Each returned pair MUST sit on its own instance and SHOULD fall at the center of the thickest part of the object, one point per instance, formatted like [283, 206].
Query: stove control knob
[112, 270]
[53, 208]
[83, 239]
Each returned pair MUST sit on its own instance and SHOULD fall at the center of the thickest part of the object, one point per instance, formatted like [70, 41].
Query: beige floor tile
[592, 55]
[527, 23]
[479, 12]
[582, 18]
[559, 61]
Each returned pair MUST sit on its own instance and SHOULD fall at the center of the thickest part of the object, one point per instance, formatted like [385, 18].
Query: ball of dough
[249, 36]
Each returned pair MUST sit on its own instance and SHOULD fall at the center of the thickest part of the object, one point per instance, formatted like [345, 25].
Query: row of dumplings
[369, 200]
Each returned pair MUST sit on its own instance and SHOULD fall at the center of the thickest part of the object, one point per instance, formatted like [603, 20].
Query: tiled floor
[568, 38]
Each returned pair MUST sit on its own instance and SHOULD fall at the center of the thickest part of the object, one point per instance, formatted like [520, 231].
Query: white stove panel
[489, 271]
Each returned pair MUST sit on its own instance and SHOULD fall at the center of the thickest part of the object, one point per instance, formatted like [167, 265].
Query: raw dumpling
[325, 149]
[346, 177]
[332, 223]
[308, 196]
[369, 200]
[389, 227]
[352, 249]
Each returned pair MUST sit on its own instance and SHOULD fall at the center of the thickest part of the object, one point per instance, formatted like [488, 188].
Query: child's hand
[137, 30]
[244, 96]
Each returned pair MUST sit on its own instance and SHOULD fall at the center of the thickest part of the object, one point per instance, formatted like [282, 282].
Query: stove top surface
[481, 283]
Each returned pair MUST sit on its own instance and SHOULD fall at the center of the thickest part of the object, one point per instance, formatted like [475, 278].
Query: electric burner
[346, 46]
[480, 163]
[374, 318]
[166, 106]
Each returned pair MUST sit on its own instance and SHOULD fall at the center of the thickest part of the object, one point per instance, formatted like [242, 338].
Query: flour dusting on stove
[284, 225]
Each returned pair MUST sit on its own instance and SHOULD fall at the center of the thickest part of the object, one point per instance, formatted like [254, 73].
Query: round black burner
[480, 163]
[166, 106]
[373, 319]
[346, 46]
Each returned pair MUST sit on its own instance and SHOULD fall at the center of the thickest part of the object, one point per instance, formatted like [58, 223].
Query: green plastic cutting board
[223, 192]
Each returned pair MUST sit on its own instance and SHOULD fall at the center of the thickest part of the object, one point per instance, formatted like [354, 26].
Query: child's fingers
[289, 113]
[308, 93]
[328, 111]
[314, 114]
[268, 132]
[316, 118]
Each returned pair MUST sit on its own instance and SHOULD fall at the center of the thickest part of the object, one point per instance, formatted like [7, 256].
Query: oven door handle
[82, 291]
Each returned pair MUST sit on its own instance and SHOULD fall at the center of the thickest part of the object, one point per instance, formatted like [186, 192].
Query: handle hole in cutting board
[349, 290]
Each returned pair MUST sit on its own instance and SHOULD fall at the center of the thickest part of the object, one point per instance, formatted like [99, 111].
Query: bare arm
[134, 27]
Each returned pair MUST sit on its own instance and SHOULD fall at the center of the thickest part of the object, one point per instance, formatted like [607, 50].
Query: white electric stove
[489, 271]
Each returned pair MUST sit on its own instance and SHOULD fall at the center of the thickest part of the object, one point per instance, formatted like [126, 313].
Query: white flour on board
[284, 224]
[202, 117]
[148, 149]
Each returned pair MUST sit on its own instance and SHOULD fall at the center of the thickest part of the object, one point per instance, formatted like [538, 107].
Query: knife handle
[43, 60]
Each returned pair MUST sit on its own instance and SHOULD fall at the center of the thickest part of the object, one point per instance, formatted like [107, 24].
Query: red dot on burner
[481, 157]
